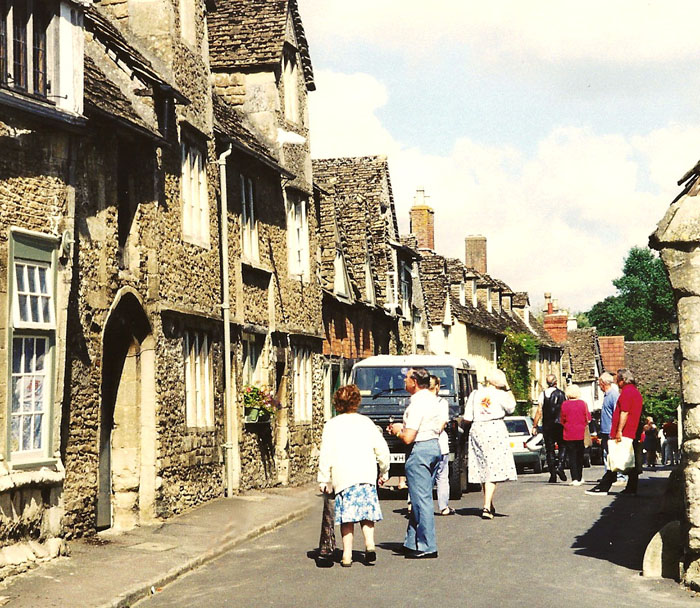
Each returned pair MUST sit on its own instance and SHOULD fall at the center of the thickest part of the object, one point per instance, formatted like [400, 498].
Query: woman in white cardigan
[351, 447]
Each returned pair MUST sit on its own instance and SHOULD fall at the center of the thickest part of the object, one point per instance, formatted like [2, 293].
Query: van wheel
[538, 466]
[456, 488]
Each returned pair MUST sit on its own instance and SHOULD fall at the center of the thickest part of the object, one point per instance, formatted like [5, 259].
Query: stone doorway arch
[126, 483]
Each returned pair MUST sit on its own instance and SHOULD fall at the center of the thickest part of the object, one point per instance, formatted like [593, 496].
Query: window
[340, 279]
[194, 195]
[298, 237]
[405, 288]
[252, 349]
[391, 289]
[32, 336]
[494, 352]
[290, 82]
[249, 222]
[475, 298]
[301, 361]
[489, 304]
[199, 394]
[462, 294]
[369, 283]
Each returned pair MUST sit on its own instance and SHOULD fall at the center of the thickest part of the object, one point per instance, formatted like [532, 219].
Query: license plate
[397, 458]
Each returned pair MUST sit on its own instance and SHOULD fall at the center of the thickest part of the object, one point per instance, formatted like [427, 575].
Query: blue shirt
[606, 412]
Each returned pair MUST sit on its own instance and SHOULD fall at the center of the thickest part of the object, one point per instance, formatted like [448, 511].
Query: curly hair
[347, 399]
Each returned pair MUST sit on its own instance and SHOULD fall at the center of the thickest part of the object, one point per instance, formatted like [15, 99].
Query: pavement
[115, 570]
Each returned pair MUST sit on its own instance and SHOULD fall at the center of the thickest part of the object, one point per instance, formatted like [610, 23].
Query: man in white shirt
[422, 423]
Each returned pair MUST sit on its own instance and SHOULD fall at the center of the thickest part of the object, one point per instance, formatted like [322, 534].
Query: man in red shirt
[625, 423]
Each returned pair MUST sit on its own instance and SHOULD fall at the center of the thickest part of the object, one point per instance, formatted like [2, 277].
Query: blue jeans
[421, 468]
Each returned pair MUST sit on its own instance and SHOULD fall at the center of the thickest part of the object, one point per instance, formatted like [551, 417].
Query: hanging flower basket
[259, 405]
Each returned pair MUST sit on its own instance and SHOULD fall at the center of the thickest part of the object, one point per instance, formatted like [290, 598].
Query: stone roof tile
[653, 365]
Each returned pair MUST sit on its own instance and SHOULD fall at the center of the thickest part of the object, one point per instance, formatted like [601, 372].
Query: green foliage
[643, 308]
[517, 351]
[662, 407]
[582, 320]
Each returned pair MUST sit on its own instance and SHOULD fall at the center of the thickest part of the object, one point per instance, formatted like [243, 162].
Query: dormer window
[475, 299]
[462, 294]
[340, 279]
[40, 53]
[489, 305]
[369, 284]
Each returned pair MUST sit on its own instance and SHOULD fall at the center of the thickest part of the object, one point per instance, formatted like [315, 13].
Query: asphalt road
[550, 545]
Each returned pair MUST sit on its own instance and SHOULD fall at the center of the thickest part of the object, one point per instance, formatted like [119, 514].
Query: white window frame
[475, 295]
[250, 246]
[494, 351]
[340, 279]
[252, 345]
[462, 294]
[199, 380]
[302, 358]
[194, 195]
[405, 288]
[298, 237]
[63, 53]
[290, 82]
[30, 385]
[489, 303]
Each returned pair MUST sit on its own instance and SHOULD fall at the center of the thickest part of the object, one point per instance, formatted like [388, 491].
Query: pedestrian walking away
[574, 419]
[442, 480]
[625, 423]
[351, 448]
[549, 412]
[422, 423]
[490, 457]
[670, 451]
[651, 441]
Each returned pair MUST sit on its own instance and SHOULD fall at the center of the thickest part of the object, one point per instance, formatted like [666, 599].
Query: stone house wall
[36, 194]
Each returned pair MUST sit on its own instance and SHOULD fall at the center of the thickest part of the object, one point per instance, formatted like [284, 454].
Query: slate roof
[251, 33]
[581, 355]
[231, 122]
[653, 365]
[104, 96]
[361, 188]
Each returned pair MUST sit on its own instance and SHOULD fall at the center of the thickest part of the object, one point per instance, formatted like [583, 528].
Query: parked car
[520, 430]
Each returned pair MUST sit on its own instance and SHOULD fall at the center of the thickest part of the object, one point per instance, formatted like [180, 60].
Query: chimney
[475, 253]
[555, 321]
[549, 307]
[422, 221]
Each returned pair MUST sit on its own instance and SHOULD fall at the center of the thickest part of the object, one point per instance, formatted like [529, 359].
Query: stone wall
[678, 239]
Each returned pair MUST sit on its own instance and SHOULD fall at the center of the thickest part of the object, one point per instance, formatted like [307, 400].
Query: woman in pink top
[574, 417]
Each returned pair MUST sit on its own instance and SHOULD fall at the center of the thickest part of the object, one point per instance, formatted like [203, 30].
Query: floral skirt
[357, 503]
[490, 456]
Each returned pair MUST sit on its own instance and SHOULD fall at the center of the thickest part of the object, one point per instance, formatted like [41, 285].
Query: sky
[556, 129]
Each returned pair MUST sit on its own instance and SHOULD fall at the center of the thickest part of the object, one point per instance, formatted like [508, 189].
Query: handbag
[534, 444]
[587, 441]
[621, 455]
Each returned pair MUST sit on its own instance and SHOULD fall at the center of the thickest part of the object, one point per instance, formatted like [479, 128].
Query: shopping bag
[621, 455]
[535, 443]
[587, 441]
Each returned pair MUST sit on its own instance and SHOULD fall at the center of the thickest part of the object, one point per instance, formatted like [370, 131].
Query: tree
[514, 359]
[643, 308]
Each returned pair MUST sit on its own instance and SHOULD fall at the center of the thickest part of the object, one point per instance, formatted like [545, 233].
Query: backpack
[551, 407]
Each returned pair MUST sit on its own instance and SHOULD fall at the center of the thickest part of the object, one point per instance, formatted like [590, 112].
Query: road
[550, 545]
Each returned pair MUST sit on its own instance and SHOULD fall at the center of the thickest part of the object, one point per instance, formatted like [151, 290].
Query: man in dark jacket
[548, 412]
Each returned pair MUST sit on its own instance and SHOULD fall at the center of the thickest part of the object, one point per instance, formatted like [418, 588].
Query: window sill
[40, 106]
[255, 265]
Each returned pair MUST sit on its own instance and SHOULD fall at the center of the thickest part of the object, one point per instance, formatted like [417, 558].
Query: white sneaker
[576, 482]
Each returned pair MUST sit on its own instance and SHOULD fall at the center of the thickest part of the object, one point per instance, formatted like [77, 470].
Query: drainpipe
[232, 457]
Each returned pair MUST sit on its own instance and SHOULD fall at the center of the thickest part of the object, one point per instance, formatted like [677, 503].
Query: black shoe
[421, 555]
[552, 478]
[370, 557]
[596, 490]
[561, 474]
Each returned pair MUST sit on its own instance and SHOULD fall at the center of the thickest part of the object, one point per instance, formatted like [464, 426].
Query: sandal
[345, 564]
[486, 514]
[447, 511]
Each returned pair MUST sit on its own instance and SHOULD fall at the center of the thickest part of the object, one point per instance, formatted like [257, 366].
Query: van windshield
[376, 381]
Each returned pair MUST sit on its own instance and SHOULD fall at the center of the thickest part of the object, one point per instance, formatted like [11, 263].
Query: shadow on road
[625, 526]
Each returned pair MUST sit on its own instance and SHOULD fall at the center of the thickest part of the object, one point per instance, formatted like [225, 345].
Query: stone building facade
[124, 356]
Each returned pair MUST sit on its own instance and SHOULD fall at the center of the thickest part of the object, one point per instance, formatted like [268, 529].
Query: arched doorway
[126, 487]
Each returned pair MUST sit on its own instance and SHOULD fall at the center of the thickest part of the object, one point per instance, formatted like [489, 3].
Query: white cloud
[625, 31]
[559, 220]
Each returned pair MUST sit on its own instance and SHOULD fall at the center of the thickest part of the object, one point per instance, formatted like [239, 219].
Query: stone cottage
[366, 270]
[125, 180]
[262, 71]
